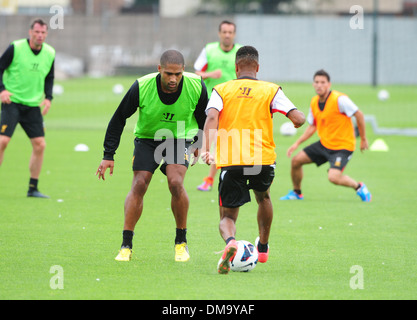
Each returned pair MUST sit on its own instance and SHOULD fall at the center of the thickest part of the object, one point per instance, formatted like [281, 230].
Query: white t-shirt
[201, 62]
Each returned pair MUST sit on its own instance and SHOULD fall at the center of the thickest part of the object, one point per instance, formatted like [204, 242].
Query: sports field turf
[313, 246]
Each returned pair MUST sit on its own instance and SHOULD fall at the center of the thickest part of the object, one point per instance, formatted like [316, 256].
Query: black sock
[181, 236]
[359, 186]
[229, 239]
[127, 239]
[33, 184]
[298, 191]
[262, 247]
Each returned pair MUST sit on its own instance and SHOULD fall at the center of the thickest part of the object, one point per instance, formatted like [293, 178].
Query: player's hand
[364, 144]
[291, 150]
[196, 156]
[104, 165]
[47, 105]
[216, 74]
[207, 158]
[5, 97]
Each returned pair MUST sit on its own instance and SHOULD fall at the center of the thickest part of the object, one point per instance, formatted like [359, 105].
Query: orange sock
[209, 180]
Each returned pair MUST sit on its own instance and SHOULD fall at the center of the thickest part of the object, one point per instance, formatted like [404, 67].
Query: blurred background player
[216, 64]
[330, 115]
[172, 102]
[235, 108]
[26, 83]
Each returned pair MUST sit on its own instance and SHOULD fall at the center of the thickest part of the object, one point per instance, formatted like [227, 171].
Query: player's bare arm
[210, 132]
[216, 74]
[297, 117]
[311, 129]
[360, 120]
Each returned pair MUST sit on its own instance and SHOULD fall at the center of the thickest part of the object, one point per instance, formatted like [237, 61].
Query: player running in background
[26, 83]
[330, 115]
[238, 111]
[171, 106]
[216, 64]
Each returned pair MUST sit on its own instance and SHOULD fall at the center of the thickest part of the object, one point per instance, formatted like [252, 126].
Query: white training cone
[379, 145]
[81, 148]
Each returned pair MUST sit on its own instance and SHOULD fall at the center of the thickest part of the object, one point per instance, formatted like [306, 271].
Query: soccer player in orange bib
[239, 118]
[330, 115]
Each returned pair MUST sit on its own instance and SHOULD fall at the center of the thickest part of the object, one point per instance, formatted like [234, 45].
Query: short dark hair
[38, 21]
[322, 72]
[226, 22]
[172, 57]
[247, 55]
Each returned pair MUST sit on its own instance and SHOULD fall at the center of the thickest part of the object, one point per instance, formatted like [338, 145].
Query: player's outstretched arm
[297, 118]
[216, 74]
[311, 129]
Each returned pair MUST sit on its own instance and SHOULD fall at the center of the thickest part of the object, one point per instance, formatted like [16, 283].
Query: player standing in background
[330, 115]
[26, 83]
[241, 110]
[216, 64]
[171, 106]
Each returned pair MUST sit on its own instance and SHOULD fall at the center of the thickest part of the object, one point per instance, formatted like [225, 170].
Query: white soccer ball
[246, 257]
[57, 89]
[118, 89]
[383, 95]
[287, 129]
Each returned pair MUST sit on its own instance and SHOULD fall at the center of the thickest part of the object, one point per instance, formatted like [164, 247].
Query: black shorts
[30, 118]
[234, 185]
[149, 153]
[319, 154]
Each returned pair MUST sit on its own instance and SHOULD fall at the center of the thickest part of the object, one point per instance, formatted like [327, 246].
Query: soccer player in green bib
[216, 64]
[26, 83]
[171, 106]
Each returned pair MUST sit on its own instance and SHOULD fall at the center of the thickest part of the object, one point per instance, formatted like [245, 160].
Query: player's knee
[175, 185]
[262, 197]
[139, 186]
[4, 142]
[334, 177]
[296, 162]
[39, 145]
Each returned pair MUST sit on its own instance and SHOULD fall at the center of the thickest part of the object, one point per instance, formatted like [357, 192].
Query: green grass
[314, 243]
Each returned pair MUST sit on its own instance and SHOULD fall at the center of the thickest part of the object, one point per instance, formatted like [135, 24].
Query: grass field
[313, 246]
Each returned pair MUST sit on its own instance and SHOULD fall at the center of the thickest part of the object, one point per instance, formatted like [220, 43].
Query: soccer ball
[287, 129]
[246, 257]
[383, 95]
[57, 89]
[118, 89]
